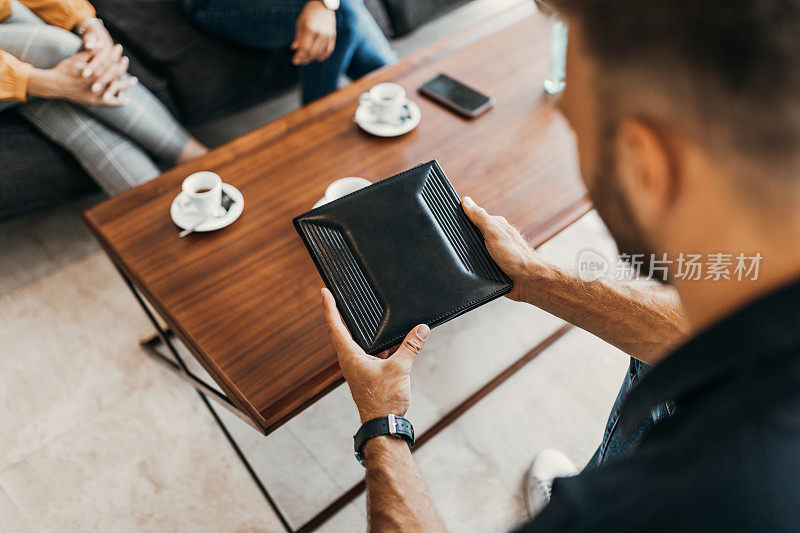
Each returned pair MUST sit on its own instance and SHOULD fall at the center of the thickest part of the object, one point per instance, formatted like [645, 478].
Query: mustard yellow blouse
[15, 74]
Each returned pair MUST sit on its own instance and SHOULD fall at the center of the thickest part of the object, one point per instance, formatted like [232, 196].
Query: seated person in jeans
[79, 94]
[328, 40]
[687, 120]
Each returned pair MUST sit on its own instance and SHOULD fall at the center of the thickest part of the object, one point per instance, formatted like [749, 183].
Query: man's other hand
[507, 247]
[380, 385]
[315, 34]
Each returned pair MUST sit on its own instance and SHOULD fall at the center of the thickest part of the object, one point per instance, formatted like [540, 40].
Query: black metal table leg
[202, 390]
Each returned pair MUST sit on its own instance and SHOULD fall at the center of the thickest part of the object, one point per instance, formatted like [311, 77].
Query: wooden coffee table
[245, 300]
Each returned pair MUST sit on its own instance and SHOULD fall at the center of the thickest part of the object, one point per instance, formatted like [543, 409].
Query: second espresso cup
[342, 187]
[202, 192]
[385, 101]
[345, 186]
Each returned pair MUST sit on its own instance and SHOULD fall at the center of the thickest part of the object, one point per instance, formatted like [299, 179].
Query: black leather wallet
[398, 253]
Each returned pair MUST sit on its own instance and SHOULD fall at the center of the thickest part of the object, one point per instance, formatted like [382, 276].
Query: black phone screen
[457, 92]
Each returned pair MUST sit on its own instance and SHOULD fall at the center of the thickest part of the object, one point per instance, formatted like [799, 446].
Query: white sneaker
[547, 465]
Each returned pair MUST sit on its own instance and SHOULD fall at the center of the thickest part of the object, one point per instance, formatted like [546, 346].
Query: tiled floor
[94, 435]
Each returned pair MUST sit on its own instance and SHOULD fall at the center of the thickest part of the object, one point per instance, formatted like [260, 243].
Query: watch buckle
[392, 425]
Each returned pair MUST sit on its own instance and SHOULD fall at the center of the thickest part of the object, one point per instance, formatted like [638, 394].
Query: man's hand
[645, 321]
[379, 385]
[507, 247]
[315, 35]
[66, 82]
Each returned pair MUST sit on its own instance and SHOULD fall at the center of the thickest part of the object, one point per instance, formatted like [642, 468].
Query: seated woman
[329, 38]
[78, 93]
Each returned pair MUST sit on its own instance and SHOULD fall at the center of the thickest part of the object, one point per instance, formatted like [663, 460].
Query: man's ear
[647, 171]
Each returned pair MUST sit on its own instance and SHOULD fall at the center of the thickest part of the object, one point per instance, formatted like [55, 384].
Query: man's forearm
[397, 499]
[640, 318]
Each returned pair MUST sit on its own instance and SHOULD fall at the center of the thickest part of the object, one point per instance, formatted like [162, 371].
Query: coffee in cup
[202, 192]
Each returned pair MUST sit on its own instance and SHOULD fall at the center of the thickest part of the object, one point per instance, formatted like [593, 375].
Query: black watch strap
[393, 425]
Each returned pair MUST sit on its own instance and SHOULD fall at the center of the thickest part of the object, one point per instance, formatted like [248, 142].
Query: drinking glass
[554, 83]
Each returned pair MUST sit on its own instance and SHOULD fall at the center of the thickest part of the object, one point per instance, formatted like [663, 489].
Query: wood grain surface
[245, 299]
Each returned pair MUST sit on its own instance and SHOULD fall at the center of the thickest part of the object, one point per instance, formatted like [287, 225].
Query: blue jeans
[616, 444]
[361, 46]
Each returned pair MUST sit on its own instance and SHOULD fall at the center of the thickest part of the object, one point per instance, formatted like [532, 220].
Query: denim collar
[766, 328]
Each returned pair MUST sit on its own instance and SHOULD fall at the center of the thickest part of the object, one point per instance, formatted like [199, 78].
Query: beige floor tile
[475, 469]
[64, 233]
[462, 355]
[588, 232]
[307, 463]
[330, 425]
[11, 517]
[352, 518]
[152, 462]
[39, 243]
[333, 448]
[24, 259]
[287, 467]
[69, 346]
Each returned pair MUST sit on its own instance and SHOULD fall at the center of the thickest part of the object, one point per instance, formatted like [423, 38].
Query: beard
[613, 208]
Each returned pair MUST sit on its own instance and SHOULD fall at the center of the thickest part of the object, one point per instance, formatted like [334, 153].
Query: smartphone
[456, 96]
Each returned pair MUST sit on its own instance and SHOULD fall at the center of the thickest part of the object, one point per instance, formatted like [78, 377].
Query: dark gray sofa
[170, 57]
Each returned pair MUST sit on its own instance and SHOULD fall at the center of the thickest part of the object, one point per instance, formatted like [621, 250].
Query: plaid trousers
[117, 146]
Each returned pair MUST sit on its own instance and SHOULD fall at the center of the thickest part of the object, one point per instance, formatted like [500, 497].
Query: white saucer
[365, 119]
[186, 219]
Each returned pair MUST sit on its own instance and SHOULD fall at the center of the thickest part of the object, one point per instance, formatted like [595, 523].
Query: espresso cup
[342, 187]
[202, 192]
[385, 101]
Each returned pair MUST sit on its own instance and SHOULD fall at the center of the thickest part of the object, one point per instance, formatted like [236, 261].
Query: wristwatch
[333, 5]
[393, 425]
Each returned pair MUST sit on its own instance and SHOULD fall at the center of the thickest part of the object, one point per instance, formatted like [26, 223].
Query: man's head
[679, 106]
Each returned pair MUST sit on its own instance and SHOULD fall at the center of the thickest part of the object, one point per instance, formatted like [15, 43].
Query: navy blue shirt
[729, 457]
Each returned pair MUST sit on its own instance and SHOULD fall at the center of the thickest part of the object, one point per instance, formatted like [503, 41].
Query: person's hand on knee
[95, 35]
[107, 68]
[104, 66]
[114, 80]
[65, 81]
[315, 34]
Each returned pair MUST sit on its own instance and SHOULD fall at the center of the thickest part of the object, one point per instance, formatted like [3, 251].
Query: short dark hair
[730, 67]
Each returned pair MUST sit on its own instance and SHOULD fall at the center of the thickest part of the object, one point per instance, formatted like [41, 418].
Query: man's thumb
[413, 343]
[475, 213]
